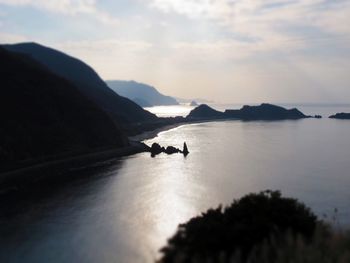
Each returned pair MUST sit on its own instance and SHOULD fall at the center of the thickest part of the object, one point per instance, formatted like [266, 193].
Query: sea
[124, 210]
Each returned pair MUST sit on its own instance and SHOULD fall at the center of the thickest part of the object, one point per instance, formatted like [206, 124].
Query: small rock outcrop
[171, 150]
[156, 149]
[185, 149]
[193, 103]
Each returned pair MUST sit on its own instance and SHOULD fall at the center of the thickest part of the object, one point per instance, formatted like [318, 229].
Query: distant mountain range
[43, 114]
[142, 94]
[122, 110]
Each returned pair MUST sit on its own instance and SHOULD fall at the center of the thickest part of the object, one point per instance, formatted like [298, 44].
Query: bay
[123, 210]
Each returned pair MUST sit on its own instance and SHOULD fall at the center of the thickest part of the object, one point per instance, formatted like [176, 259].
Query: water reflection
[170, 111]
[162, 197]
[305, 159]
[60, 223]
[122, 211]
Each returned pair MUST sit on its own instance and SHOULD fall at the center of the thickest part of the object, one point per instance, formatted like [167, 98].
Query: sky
[229, 51]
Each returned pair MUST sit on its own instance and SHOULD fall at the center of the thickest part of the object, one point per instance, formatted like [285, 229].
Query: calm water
[124, 210]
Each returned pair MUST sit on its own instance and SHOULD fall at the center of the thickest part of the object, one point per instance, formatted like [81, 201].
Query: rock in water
[156, 149]
[194, 103]
[171, 150]
[185, 150]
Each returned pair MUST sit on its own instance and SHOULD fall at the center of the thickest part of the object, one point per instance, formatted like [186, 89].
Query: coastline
[142, 131]
[13, 179]
[154, 133]
[25, 176]
[19, 175]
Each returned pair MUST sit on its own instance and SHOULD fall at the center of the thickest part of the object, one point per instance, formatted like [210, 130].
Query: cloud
[67, 7]
[226, 50]
[247, 49]
[108, 46]
[110, 57]
[267, 22]
[12, 38]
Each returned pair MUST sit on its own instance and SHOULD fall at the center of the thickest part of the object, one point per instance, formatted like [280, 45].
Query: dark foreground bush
[256, 228]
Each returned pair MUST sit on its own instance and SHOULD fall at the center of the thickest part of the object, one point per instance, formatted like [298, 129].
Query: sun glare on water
[170, 111]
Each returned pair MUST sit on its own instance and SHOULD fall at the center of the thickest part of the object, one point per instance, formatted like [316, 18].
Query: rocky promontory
[341, 116]
[262, 112]
[203, 111]
[265, 111]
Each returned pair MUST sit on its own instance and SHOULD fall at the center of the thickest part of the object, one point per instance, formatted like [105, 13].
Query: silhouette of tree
[240, 227]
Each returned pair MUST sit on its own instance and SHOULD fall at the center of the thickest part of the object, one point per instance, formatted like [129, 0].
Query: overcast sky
[225, 50]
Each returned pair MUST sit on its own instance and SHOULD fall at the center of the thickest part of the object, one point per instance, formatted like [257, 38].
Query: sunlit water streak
[124, 210]
[171, 111]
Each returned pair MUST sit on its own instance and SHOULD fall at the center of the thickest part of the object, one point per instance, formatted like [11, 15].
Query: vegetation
[258, 228]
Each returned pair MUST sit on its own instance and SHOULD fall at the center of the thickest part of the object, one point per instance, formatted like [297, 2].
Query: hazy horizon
[224, 50]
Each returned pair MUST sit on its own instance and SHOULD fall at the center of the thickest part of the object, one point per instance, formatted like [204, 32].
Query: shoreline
[11, 179]
[137, 146]
[23, 177]
[12, 176]
[154, 133]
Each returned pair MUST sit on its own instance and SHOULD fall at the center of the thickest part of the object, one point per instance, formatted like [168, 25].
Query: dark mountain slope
[140, 92]
[87, 80]
[44, 115]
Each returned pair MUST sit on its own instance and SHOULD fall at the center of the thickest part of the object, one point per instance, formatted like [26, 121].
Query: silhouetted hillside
[205, 112]
[262, 112]
[141, 102]
[140, 93]
[87, 81]
[243, 231]
[341, 116]
[42, 114]
[265, 112]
